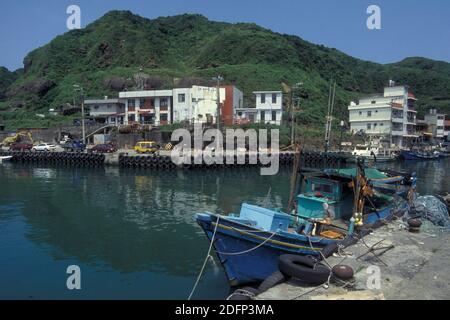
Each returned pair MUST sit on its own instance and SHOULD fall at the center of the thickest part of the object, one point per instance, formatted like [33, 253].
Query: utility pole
[331, 96]
[295, 87]
[218, 118]
[292, 117]
[80, 88]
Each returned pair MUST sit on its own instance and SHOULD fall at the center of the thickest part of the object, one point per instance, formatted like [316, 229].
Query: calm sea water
[131, 232]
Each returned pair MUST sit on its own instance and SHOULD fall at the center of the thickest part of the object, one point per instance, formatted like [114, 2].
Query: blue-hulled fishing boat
[418, 155]
[248, 244]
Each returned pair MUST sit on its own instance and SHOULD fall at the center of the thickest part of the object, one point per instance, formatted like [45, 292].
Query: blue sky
[409, 28]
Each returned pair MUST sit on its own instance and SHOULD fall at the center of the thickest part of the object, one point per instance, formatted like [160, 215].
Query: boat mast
[294, 177]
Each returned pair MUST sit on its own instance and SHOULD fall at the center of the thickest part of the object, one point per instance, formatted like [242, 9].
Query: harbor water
[131, 232]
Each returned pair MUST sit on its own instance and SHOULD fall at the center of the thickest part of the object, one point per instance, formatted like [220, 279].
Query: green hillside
[121, 49]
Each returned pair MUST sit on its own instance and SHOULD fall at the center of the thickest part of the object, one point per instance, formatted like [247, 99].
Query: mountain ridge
[116, 51]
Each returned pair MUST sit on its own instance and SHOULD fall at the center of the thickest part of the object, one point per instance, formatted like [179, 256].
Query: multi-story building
[148, 106]
[269, 109]
[435, 122]
[197, 104]
[108, 111]
[447, 129]
[387, 115]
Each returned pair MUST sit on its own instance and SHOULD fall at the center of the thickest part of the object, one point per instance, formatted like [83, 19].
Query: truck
[17, 137]
[74, 145]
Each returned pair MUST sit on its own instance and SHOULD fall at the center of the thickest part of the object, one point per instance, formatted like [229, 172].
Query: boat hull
[259, 250]
[250, 255]
[5, 158]
[410, 156]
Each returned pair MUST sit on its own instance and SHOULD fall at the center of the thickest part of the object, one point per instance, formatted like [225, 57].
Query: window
[240, 114]
[263, 98]
[163, 117]
[381, 124]
[376, 111]
[369, 126]
[274, 98]
[263, 116]
[373, 102]
[163, 102]
[360, 113]
[325, 188]
[369, 113]
[181, 97]
[130, 102]
[274, 116]
[375, 125]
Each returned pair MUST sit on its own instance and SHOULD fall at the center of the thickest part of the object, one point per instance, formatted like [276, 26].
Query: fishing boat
[372, 153]
[418, 155]
[5, 158]
[334, 208]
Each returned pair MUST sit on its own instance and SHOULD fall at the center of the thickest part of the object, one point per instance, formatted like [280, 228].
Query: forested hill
[122, 49]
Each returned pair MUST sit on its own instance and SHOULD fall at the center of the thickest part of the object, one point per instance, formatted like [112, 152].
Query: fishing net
[432, 209]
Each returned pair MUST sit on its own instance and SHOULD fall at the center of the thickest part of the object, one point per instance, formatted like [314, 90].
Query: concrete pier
[416, 268]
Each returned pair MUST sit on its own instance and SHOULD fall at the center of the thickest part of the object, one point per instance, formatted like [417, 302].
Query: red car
[103, 148]
[20, 146]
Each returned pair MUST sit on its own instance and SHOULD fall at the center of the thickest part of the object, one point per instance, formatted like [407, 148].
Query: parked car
[20, 146]
[74, 145]
[146, 147]
[44, 147]
[103, 148]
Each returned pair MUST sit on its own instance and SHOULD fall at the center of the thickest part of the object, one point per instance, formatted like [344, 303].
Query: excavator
[17, 138]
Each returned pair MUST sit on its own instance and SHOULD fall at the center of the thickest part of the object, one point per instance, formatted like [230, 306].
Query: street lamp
[342, 127]
[77, 87]
[218, 79]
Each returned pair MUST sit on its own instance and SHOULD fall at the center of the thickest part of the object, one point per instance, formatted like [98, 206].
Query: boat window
[326, 188]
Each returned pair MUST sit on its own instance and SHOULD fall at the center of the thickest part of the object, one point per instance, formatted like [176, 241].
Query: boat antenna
[267, 199]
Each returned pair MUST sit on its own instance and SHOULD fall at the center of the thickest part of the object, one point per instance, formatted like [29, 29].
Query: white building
[269, 109]
[197, 104]
[435, 122]
[148, 106]
[109, 111]
[388, 115]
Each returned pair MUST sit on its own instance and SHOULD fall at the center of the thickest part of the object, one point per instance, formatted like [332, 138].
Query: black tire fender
[305, 268]
[329, 250]
[271, 281]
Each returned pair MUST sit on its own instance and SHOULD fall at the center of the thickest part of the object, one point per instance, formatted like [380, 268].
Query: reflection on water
[132, 232]
[433, 176]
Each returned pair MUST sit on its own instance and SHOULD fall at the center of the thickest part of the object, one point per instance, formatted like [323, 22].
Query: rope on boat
[208, 256]
[246, 251]
[242, 292]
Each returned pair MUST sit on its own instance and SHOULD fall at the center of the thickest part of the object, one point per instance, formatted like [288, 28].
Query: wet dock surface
[415, 268]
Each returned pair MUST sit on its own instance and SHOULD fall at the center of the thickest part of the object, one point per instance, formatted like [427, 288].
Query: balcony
[398, 106]
[397, 118]
[397, 132]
